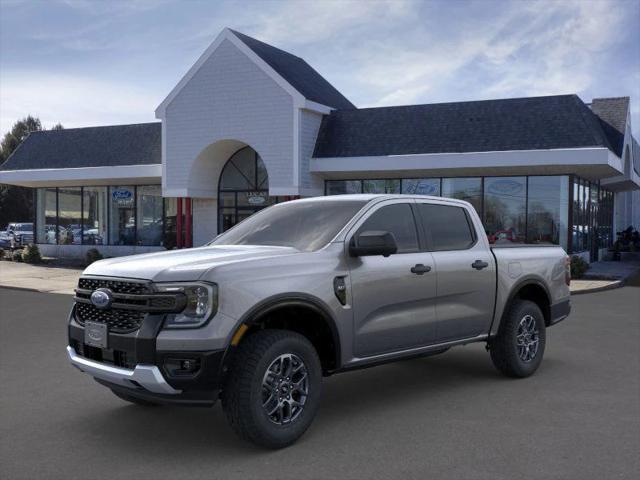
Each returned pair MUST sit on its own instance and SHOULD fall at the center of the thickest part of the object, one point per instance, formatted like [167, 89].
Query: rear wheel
[272, 392]
[518, 348]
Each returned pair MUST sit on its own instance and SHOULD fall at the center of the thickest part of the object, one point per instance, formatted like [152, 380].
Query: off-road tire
[134, 400]
[242, 394]
[504, 347]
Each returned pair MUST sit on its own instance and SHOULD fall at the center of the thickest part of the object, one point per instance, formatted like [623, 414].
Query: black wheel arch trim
[300, 299]
[515, 290]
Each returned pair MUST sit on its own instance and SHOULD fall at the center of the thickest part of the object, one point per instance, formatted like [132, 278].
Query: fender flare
[297, 299]
[519, 285]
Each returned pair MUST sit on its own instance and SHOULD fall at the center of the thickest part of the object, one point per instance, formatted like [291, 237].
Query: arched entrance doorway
[243, 188]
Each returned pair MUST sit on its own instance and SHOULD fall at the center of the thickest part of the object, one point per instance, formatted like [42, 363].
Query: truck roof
[367, 197]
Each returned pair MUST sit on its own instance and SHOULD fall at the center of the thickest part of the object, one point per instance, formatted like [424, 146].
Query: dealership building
[250, 125]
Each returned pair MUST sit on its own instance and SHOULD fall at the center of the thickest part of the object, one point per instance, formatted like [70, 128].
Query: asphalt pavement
[448, 416]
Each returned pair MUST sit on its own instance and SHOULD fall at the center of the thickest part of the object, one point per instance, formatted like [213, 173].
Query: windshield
[306, 226]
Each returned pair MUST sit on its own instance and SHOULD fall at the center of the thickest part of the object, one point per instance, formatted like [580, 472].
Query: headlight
[202, 304]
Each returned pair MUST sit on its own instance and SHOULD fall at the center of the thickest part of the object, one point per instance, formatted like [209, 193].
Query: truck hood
[182, 265]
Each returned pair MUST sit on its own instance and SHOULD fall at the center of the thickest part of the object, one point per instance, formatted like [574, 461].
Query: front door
[394, 308]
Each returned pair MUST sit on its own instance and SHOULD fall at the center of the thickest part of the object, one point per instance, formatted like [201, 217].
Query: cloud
[533, 48]
[73, 101]
[295, 22]
[376, 52]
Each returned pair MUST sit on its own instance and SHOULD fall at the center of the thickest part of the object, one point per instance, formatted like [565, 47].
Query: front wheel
[272, 392]
[518, 348]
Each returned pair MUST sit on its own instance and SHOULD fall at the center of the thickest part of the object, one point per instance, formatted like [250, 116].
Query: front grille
[116, 286]
[132, 301]
[118, 320]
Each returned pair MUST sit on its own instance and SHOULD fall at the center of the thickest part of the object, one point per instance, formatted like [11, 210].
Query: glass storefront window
[244, 188]
[381, 186]
[421, 186]
[580, 216]
[505, 209]
[94, 215]
[341, 187]
[122, 219]
[149, 215]
[593, 217]
[605, 220]
[70, 216]
[105, 216]
[46, 215]
[548, 210]
[468, 189]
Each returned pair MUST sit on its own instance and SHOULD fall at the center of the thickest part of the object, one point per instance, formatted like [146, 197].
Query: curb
[611, 286]
[29, 289]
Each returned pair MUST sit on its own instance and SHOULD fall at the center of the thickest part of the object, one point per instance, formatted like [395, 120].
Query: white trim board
[472, 160]
[43, 177]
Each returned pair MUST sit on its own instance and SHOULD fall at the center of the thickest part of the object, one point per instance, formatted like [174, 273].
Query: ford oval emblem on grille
[102, 298]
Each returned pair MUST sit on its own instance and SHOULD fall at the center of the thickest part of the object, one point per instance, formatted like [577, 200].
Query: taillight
[567, 270]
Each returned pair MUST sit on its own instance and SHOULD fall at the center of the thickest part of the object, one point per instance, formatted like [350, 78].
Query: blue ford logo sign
[102, 298]
[121, 194]
[506, 187]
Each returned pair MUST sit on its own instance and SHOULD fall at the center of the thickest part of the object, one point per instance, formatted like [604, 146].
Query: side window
[397, 219]
[448, 226]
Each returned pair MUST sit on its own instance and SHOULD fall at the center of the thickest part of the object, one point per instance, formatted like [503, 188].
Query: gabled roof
[292, 73]
[613, 113]
[110, 146]
[553, 122]
[298, 73]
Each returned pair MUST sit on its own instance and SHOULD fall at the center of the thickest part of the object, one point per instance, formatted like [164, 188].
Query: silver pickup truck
[306, 289]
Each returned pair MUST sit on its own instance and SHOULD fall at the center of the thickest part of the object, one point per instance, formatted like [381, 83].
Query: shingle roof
[115, 145]
[532, 123]
[613, 116]
[298, 73]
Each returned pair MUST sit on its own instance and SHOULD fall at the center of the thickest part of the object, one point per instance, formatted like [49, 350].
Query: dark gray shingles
[612, 113]
[298, 73]
[114, 145]
[532, 123]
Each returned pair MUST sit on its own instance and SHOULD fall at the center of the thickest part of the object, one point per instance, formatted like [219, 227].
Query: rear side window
[447, 226]
[397, 219]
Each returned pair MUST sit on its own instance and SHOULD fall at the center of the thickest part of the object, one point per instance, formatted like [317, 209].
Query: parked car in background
[5, 242]
[17, 235]
[502, 236]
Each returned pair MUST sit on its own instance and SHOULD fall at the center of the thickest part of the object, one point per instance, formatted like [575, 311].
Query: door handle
[420, 269]
[479, 265]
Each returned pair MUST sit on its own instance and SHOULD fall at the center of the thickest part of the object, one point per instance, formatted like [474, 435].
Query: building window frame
[108, 222]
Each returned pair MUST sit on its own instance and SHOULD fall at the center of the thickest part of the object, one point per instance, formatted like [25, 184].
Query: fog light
[177, 367]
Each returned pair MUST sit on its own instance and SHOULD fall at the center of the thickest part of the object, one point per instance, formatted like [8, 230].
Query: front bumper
[148, 377]
[133, 363]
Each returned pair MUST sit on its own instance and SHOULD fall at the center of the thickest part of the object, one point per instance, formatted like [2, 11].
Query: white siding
[229, 97]
[309, 126]
[205, 220]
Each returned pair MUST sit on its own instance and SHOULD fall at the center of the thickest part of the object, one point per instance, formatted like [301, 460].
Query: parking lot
[449, 416]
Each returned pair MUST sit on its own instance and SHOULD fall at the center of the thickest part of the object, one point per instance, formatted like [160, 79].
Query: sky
[101, 62]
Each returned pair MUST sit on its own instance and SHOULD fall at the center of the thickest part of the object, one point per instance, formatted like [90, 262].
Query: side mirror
[373, 242]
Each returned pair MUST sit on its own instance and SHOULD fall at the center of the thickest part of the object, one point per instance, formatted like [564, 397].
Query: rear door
[394, 308]
[466, 275]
